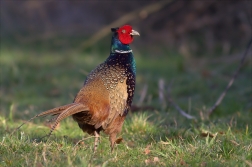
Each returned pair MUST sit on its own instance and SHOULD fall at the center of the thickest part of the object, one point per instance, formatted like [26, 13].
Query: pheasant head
[121, 39]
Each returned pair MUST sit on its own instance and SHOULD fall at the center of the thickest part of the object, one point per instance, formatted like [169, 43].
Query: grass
[34, 79]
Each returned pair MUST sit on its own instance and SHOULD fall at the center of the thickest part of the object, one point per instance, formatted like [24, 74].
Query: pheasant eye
[124, 31]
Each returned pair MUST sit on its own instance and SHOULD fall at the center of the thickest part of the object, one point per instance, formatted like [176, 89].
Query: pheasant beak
[133, 32]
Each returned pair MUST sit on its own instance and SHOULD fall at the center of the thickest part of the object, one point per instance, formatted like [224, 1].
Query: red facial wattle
[124, 34]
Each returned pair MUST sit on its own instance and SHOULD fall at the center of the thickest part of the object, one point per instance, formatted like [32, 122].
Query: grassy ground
[34, 79]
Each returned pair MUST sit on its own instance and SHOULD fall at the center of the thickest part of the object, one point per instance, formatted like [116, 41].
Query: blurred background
[48, 47]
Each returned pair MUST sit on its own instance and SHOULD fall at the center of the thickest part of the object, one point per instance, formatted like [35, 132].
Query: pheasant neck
[118, 47]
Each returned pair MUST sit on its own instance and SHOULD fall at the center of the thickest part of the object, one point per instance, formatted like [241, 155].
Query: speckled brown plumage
[111, 87]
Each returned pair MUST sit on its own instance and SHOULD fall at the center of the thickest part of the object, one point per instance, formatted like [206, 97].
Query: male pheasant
[106, 96]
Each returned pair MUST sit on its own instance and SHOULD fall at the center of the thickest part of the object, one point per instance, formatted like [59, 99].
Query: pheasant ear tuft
[114, 29]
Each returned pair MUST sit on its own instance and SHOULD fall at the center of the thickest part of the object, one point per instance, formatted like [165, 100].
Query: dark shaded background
[195, 28]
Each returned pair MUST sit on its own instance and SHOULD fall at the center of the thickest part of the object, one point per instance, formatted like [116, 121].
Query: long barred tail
[76, 108]
[54, 111]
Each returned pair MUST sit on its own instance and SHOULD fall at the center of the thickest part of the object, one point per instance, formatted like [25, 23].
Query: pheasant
[106, 96]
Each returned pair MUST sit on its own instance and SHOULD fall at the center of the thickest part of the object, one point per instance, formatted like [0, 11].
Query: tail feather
[53, 111]
[78, 107]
